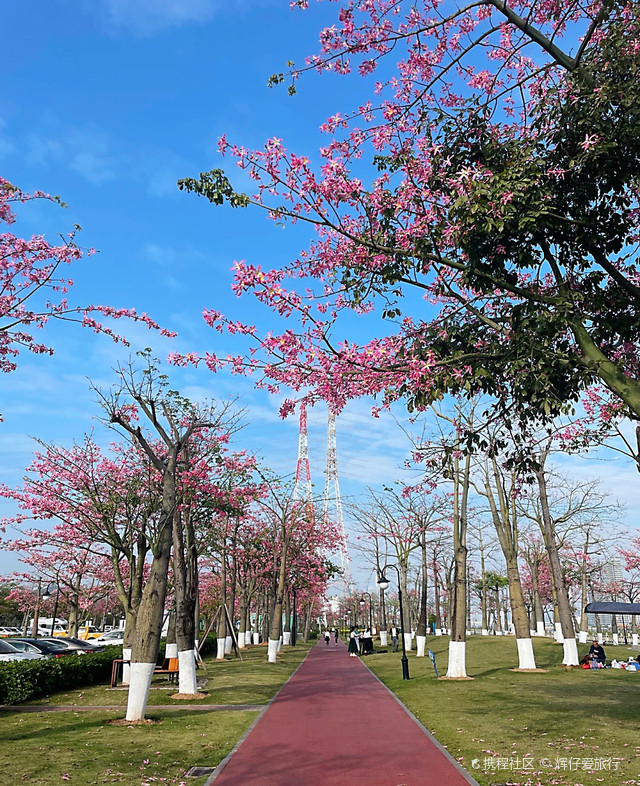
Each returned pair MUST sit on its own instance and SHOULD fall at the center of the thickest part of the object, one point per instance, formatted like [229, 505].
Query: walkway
[335, 724]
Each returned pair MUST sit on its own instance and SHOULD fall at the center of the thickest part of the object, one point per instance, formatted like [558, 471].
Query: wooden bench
[169, 666]
[117, 667]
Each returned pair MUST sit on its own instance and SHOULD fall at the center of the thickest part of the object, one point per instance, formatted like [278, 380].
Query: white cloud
[94, 168]
[146, 17]
[88, 150]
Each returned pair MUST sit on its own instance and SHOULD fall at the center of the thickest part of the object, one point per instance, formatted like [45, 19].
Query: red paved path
[335, 724]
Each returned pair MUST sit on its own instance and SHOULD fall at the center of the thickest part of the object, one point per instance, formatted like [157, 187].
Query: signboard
[433, 660]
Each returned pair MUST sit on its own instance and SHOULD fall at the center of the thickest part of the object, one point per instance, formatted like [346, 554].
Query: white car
[8, 652]
[6, 631]
[115, 636]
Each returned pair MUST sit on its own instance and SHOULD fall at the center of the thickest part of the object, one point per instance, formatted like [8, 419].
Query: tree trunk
[221, 629]
[561, 594]
[436, 594]
[185, 576]
[171, 649]
[286, 633]
[584, 625]
[276, 619]
[421, 630]
[457, 645]
[483, 591]
[505, 522]
[150, 618]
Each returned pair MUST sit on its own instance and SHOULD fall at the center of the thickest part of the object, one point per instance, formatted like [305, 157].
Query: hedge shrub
[33, 679]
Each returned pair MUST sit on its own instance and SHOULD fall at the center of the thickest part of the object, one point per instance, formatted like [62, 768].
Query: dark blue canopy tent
[612, 607]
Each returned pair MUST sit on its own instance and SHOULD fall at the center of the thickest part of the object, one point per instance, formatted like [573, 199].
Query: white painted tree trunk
[243, 639]
[272, 650]
[570, 652]
[526, 658]
[171, 650]
[407, 641]
[421, 643]
[532, 633]
[634, 639]
[582, 637]
[286, 637]
[228, 645]
[485, 632]
[187, 674]
[457, 659]
[384, 640]
[256, 638]
[438, 631]
[220, 649]
[126, 667]
[540, 628]
[616, 640]
[279, 644]
[600, 638]
[559, 636]
[141, 674]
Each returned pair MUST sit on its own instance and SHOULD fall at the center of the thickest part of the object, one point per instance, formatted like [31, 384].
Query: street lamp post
[55, 606]
[362, 602]
[36, 613]
[294, 621]
[383, 583]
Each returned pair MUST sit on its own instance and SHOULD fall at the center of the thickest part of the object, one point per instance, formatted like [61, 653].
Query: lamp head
[361, 601]
[383, 581]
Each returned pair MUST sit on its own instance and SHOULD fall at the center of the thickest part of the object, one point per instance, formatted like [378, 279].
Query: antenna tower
[302, 489]
[333, 512]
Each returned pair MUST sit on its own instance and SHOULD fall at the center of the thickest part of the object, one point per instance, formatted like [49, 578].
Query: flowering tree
[105, 506]
[174, 424]
[504, 193]
[33, 287]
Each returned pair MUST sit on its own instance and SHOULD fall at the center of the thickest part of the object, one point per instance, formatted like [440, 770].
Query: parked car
[115, 636]
[86, 632]
[9, 652]
[49, 648]
[6, 631]
[77, 645]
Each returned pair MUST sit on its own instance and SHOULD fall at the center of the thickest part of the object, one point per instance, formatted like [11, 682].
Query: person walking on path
[327, 636]
[394, 638]
[337, 635]
[381, 743]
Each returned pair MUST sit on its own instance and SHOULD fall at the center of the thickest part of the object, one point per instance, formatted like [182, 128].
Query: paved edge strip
[116, 707]
[426, 731]
[220, 767]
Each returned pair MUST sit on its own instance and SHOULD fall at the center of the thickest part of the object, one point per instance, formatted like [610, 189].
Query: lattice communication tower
[332, 507]
[302, 489]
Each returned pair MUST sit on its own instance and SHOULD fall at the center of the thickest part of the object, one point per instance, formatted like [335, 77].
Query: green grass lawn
[247, 681]
[83, 748]
[559, 720]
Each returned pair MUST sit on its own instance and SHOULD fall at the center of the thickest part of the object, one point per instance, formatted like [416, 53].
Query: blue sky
[107, 103]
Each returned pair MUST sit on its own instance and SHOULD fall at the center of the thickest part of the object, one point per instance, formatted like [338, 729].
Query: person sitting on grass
[596, 652]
